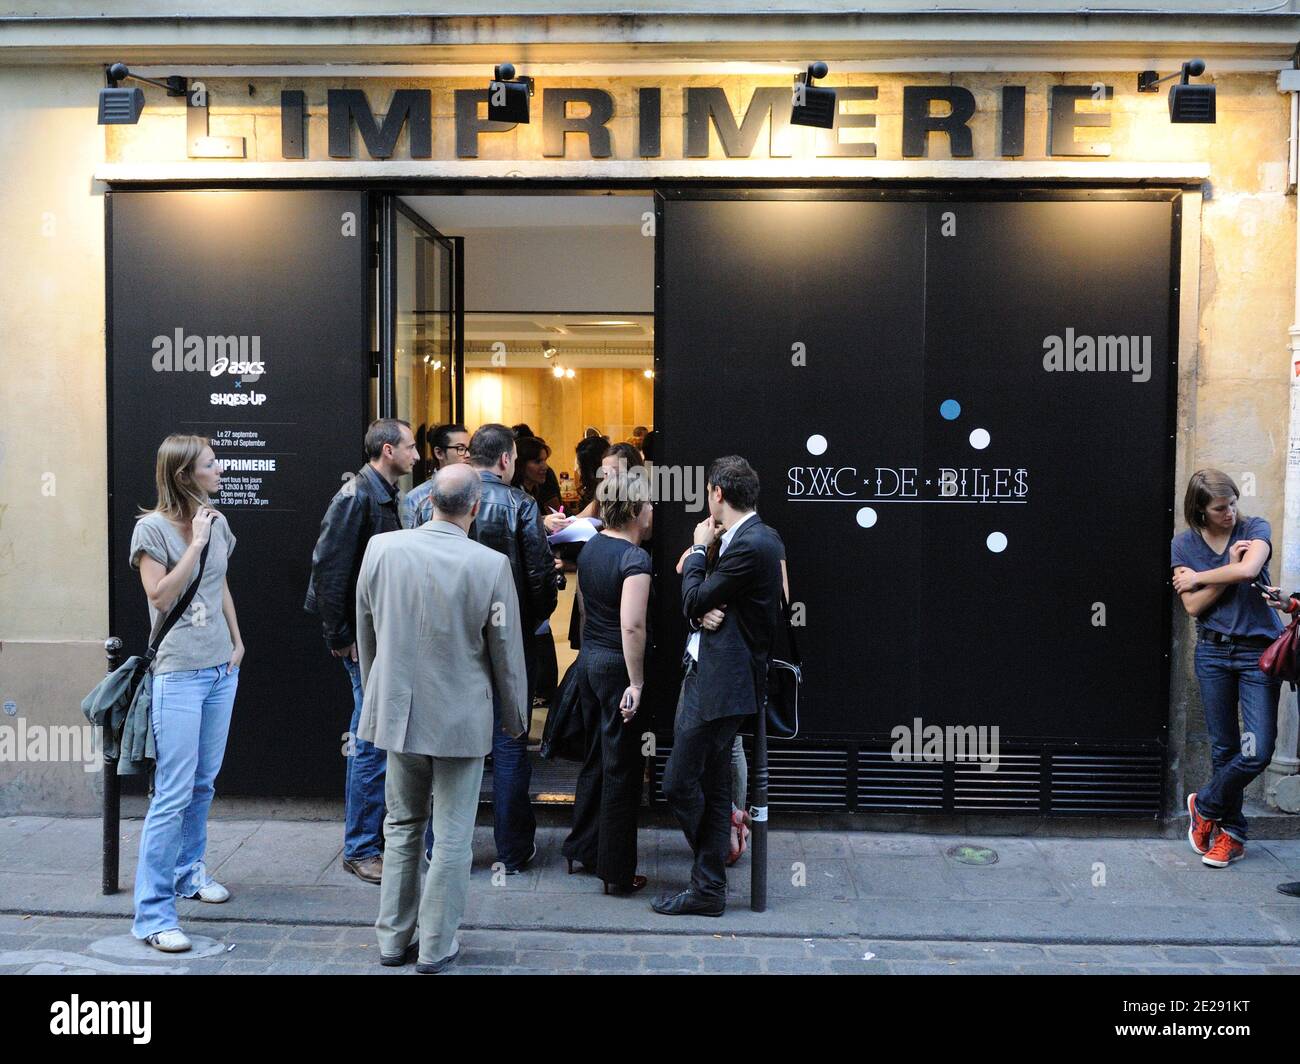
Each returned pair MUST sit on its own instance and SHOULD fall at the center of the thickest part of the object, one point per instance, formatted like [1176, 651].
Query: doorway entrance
[536, 312]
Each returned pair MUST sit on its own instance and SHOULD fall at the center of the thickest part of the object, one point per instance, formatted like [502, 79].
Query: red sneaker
[1201, 829]
[1225, 850]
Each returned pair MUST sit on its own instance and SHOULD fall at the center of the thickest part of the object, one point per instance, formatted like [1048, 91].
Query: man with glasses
[450, 447]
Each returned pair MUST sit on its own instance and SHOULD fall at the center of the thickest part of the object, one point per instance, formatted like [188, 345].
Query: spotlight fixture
[1187, 103]
[122, 107]
[548, 350]
[507, 96]
[812, 106]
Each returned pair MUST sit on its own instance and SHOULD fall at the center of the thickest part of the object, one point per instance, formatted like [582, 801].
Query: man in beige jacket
[437, 632]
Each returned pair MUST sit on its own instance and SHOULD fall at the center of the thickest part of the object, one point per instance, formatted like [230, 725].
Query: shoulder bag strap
[181, 606]
[789, 627]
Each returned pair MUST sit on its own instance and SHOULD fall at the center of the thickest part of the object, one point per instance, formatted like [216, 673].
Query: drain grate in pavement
[972, 855]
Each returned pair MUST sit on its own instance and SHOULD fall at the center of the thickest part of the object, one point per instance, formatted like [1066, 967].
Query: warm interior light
[569, 373]
[558, 371]
[649, 373]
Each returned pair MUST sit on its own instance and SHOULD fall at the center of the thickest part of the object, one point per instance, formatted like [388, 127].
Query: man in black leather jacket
[365, 506]
[509, 521]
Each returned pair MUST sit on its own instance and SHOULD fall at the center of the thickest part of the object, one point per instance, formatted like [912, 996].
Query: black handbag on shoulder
[784, 678]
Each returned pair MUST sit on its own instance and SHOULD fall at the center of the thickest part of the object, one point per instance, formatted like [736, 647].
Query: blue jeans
[363, 811]
[190, 717]
[514, 825]
[1229, 674]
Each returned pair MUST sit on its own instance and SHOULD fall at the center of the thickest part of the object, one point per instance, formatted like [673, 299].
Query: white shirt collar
[728, 535]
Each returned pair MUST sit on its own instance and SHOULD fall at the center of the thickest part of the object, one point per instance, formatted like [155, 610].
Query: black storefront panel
[976, 516]
[198, 281]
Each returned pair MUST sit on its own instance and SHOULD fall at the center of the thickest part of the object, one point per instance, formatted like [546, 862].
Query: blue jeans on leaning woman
[363, 810]
[1229, 674]
[190, 717]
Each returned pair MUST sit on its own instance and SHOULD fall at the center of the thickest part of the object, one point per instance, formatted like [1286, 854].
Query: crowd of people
[437, 603]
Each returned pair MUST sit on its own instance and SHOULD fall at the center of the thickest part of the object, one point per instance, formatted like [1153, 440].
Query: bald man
[438, 632]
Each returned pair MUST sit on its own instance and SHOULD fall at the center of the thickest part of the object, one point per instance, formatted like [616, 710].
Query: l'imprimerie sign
[945, 109]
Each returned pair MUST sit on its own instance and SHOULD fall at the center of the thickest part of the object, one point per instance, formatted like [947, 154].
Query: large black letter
[737, 140]
[293, 124]
[1064, 120]
[556, 120]
[349, 105]
[469, 125]
[828, 140]
[919, 123]
[648, 123]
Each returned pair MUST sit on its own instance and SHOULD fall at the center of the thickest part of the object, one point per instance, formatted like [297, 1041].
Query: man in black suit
[726, 673]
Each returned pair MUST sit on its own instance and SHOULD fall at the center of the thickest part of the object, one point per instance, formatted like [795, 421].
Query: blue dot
[950, 409]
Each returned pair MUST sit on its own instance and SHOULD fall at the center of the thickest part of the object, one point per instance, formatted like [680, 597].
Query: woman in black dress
[614, 578]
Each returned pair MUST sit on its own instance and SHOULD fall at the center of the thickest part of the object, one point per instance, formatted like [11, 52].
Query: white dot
[997, 542]
[979, 439]
[817, 444]
[866, 517]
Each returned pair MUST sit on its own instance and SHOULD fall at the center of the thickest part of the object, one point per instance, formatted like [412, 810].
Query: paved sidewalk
[53, 945]
[842, 886]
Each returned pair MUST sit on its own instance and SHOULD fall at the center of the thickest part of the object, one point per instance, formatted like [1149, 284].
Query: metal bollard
[758, 832]
[112, 789]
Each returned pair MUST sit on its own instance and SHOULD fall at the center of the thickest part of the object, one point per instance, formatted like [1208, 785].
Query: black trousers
[608, 792]
[697, 785]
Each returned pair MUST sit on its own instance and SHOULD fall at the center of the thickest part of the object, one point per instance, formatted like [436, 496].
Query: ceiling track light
[811, 106]
[1187, 103]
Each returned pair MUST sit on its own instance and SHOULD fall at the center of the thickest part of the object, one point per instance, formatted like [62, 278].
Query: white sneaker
[173, 940]
[212, 892]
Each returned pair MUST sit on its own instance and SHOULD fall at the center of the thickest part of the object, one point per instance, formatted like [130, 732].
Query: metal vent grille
[807, 777]
[1029, 781]
[898, 786]
[799, 777]
[1016, 786]
[1109, 783]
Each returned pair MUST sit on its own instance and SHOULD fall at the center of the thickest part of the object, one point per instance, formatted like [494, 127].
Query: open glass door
[422, 345]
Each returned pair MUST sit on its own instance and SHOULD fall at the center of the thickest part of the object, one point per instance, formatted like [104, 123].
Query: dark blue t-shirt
[1240, 610]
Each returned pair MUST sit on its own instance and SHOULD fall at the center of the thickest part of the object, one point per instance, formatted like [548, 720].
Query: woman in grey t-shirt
[194, 677]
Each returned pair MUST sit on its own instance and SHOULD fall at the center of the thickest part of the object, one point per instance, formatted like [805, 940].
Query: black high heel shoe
[625, 888]
[582, 867]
